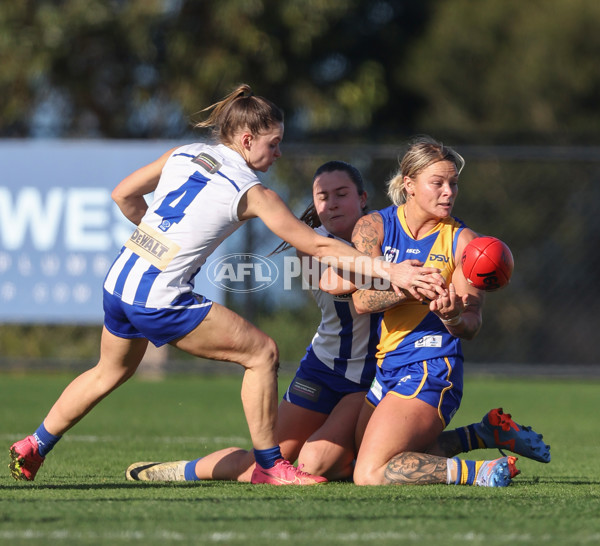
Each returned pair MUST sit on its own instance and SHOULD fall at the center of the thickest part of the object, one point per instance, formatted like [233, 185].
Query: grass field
[82, 497]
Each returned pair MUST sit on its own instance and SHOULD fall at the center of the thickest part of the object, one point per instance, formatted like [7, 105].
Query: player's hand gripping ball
[487, 263]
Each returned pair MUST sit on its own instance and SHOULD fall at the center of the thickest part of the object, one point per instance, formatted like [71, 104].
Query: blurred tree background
[513, 85]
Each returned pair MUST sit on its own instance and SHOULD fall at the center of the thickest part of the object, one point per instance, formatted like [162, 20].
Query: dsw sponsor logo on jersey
[242, 272]
[439, 258]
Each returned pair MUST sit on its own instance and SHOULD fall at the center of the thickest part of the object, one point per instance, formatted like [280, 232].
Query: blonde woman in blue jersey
[419, 377]
[202, 194]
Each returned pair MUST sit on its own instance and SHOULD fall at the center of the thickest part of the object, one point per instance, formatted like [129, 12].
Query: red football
[487, 263]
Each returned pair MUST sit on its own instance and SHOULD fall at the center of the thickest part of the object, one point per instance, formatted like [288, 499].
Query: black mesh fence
[545, 204]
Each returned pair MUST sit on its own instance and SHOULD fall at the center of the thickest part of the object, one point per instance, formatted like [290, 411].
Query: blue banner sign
[59, 228]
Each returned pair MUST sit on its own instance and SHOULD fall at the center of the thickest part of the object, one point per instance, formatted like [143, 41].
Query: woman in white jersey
[202, 194]
[319, 411]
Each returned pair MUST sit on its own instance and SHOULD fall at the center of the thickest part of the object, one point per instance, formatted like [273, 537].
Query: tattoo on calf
[416, 468]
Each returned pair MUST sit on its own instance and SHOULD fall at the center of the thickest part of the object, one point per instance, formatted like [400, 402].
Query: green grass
[81, 496]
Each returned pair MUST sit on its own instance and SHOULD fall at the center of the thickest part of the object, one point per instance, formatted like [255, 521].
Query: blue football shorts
[160, 326]
[317, 387]
[437, 381]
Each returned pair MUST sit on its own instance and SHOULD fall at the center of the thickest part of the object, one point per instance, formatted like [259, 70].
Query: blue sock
[45, 440]
[190, 471]
[472, 468]
[469, 439]
[466, 472]
[267, 457]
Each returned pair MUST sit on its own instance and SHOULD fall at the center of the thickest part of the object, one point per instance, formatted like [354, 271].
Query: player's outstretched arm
[265, 204]
[268, 206]
[129, 194]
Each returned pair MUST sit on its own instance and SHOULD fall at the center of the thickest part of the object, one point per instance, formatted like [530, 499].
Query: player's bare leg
[231, 463]
[397, 428]
[331, 450]
[294, 426]
[394, 445]
[224, 335]
[119, 359]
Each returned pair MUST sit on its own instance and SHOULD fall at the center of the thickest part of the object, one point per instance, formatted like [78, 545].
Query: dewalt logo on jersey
[152, 246]
[145, 241]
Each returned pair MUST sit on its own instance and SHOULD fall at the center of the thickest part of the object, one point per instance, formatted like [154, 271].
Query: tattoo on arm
[416, 468]
[365, 236]
[378, 300]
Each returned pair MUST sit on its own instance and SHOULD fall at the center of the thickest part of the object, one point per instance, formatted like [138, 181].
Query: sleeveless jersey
[345, 341]
[193, 210]
[410, 332]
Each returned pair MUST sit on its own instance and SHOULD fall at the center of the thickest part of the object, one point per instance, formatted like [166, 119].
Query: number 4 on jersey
[173, 207]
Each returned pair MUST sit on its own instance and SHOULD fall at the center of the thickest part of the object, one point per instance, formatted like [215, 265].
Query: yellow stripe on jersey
[153, 246]
[440, 255]
[400, 321]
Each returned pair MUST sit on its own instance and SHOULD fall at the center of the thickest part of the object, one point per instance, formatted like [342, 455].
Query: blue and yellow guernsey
[410, 332]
